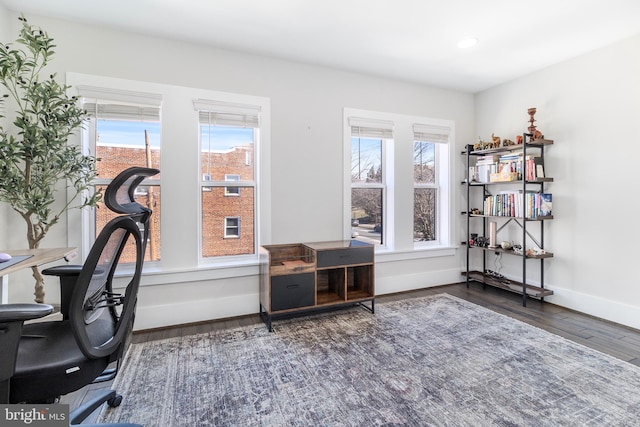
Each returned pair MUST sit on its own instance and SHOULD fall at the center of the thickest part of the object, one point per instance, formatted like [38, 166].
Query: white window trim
[259, 111]
[116, 96]
[181, 246]
[398, 225]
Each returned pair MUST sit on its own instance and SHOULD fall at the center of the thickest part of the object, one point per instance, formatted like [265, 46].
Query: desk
[37, 257]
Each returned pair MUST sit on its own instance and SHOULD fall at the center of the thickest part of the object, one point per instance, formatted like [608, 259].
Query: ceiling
[409, 40]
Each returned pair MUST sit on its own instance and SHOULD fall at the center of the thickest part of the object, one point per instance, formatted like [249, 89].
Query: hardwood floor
[616, 340]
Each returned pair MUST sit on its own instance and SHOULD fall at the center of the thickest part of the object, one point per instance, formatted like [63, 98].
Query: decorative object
[417, 362]
[535, 134]
[506, 245]
[507, 142]
[495, 141]
[480, 145]
[38, 168]
[493, 234]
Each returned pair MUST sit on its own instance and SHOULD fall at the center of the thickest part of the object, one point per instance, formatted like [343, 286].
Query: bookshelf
[511, 182]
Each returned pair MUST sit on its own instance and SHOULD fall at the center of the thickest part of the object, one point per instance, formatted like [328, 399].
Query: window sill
[433, 252]
[154, 275]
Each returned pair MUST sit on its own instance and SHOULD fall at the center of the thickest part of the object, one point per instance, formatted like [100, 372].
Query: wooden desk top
[38, 257]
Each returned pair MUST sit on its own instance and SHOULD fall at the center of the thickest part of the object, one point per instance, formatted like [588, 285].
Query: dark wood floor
[616, 340]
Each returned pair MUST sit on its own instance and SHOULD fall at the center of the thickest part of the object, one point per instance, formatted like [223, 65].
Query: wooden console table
[300, 277]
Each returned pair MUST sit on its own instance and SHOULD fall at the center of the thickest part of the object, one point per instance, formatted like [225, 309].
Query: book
[546, 204]
[539, 164]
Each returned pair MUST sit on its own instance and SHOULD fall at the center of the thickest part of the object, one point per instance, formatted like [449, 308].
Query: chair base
[110, 397]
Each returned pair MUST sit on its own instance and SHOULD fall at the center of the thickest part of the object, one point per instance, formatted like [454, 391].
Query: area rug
[430, 361]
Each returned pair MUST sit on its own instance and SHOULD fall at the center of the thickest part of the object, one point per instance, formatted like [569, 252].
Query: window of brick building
[232, 227]
[124, 131]
[229, 134]
[232, 191]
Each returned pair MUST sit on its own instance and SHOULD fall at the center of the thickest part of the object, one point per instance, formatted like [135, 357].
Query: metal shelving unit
[522, 287]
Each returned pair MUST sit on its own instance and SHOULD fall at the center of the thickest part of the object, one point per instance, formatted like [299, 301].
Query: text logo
[34, 415]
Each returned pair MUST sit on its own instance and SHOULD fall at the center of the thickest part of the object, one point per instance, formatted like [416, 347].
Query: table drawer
[337, 257]
[292, 291]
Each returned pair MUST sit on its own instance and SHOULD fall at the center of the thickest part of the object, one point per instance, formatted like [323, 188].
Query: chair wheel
[115, 401]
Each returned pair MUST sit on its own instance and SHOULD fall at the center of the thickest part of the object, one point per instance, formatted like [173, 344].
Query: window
[399, 176]
[232, 227]
[232, 191]
[429, 143]
[369, 139]
[124, 131]
[215, 166]
[228, 136]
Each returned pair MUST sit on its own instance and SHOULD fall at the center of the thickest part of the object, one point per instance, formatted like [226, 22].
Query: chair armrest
[63, 270]
[68, 274]
[23, 312]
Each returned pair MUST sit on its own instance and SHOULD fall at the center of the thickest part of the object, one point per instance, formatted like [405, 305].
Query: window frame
[211, 105]
[181, 193]
[386, 156]
[399, 198]
[89, 144]
[435, 185]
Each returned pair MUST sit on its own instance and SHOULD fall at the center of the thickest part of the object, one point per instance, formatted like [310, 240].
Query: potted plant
[41, 174]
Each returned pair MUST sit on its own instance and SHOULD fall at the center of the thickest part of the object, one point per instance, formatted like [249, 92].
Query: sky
[131, 134]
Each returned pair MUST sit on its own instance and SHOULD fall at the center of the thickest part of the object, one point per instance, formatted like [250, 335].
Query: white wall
[5, 36]
[590, 107]
[306, 154]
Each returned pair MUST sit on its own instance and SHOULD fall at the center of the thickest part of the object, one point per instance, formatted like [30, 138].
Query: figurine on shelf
[519, 139]
[535, 134]
[481, 145]
[495, 141]
[507, 142]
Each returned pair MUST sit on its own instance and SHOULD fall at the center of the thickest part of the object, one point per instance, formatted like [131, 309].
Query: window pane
[148, 196]
[366, 160]
[424, 214]
[216, 211]
[121, 144]
[424, 162]
[366, 214]
[226, 150]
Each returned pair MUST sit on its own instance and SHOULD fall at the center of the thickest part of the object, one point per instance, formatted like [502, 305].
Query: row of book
[508, 167]
[516, 204]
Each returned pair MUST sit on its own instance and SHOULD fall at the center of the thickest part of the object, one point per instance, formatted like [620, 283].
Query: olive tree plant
[41, 174]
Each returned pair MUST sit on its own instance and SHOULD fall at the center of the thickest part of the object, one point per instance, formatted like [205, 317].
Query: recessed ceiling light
[466, 43]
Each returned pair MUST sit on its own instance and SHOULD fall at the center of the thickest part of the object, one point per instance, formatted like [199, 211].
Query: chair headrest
[120, 193]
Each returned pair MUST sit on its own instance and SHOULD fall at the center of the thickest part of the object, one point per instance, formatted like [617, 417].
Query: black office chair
[41, 361]
[53, 358]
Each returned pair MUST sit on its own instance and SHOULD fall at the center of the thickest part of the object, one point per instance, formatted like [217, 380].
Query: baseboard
[158, 316]
[202, 309]
[411, 282]
[613, 311]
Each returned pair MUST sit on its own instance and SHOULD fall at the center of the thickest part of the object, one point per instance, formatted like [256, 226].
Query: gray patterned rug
[432, 361]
